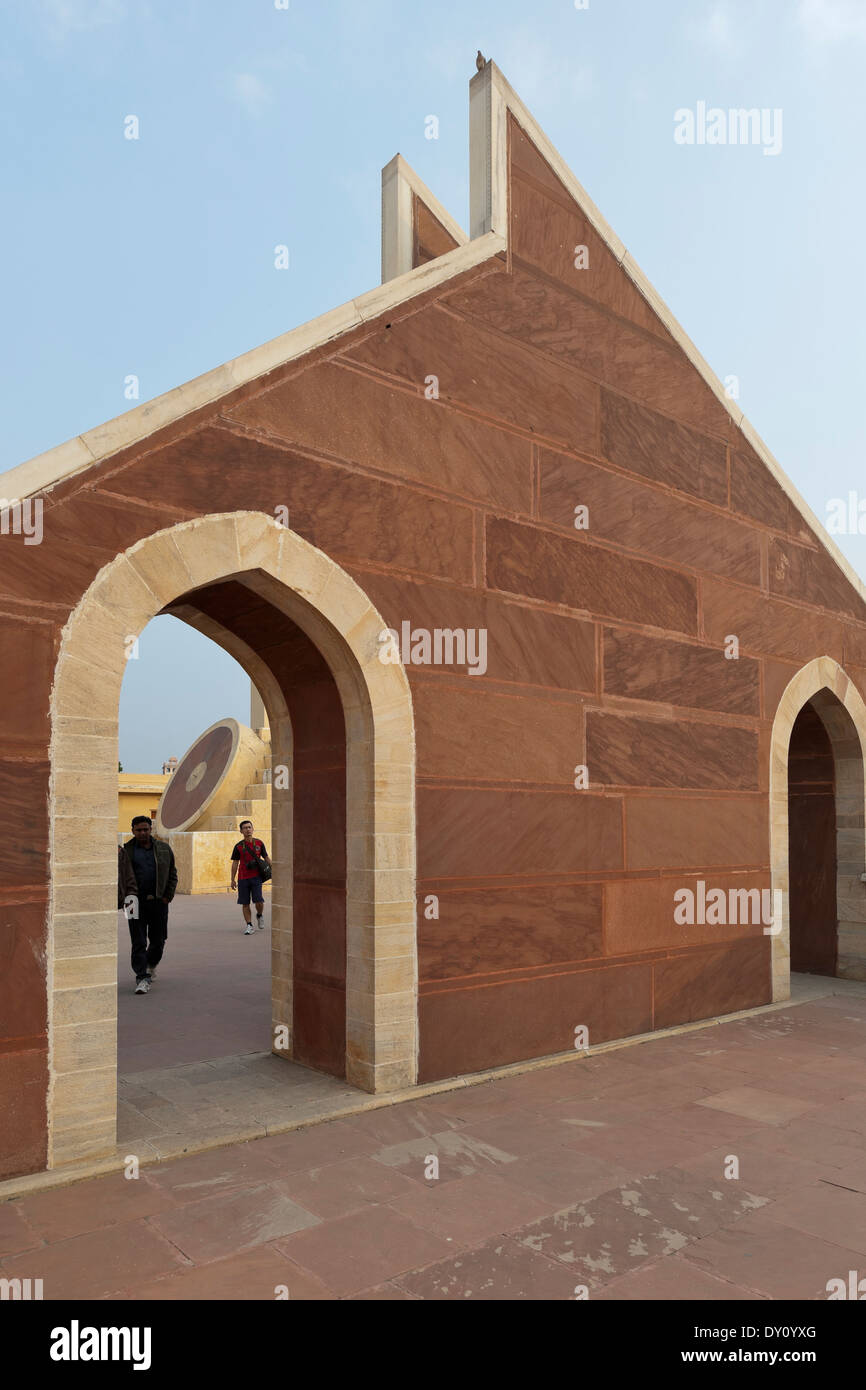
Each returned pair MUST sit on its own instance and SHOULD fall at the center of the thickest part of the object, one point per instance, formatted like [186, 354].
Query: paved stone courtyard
[212, 991]
[604, 1172]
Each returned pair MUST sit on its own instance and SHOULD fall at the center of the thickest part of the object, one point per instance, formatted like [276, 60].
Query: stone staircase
[254, 805]
[203, 855]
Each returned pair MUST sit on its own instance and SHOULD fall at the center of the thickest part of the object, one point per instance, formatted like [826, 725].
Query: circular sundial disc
[198, 775]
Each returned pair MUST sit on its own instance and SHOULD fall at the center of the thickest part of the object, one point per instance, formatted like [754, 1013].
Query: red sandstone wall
[557, 388]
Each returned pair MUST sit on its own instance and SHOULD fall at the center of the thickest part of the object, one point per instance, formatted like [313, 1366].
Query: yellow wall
[138, 794]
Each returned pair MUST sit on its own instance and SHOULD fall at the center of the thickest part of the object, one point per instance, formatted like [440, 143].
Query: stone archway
[334, 613]
[829, 692]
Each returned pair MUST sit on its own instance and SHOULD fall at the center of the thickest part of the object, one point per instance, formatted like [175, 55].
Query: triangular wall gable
[599, 307]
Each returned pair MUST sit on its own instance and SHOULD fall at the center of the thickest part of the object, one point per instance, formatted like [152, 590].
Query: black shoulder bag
[261, 868]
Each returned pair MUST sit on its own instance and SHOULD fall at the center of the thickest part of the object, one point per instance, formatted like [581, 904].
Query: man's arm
[236, 859]
[126, 881]
[121, 877]
[171, 886]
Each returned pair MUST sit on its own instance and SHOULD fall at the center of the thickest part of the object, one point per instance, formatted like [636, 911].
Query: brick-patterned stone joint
[557, 388]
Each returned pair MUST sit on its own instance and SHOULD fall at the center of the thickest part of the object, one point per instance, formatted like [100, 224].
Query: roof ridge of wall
[78, 454]
[400, 185]
[491, 99]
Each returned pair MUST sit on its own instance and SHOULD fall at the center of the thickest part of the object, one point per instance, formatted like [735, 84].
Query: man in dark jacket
[152, 863]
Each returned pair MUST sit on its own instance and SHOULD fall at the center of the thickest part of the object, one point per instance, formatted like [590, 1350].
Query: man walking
[248, 856]
[152, 862]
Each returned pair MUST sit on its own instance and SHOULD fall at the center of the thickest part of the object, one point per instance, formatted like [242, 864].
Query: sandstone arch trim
[381, 984]
[819, 675]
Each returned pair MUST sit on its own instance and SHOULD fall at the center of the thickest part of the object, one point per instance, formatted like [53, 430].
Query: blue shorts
[250, 888]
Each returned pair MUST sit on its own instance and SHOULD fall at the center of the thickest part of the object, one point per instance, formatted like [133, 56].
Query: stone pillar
[258, 713]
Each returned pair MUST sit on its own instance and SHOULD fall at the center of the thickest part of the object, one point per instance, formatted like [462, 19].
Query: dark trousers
[152, 922]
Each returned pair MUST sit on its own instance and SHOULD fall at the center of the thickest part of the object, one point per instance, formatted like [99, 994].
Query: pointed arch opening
[344, 976]
[817, 826]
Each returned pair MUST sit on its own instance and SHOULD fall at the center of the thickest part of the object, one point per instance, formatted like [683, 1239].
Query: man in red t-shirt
[245, 873]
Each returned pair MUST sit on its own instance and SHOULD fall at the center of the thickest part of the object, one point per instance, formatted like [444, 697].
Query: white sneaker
[249, 929]
[260, 921]
[143, 986]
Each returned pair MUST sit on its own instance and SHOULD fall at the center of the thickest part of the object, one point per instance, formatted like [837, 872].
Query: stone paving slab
[368, 1247]
[752, 1103]
[471, 1210]
[772, 1259]
[502, 1270]
[673, 1279]
[254, 1275]
[227, 1223]
[339, 1189]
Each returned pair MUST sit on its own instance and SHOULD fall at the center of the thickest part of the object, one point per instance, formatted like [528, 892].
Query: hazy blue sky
[178, 686]
[261, 126]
